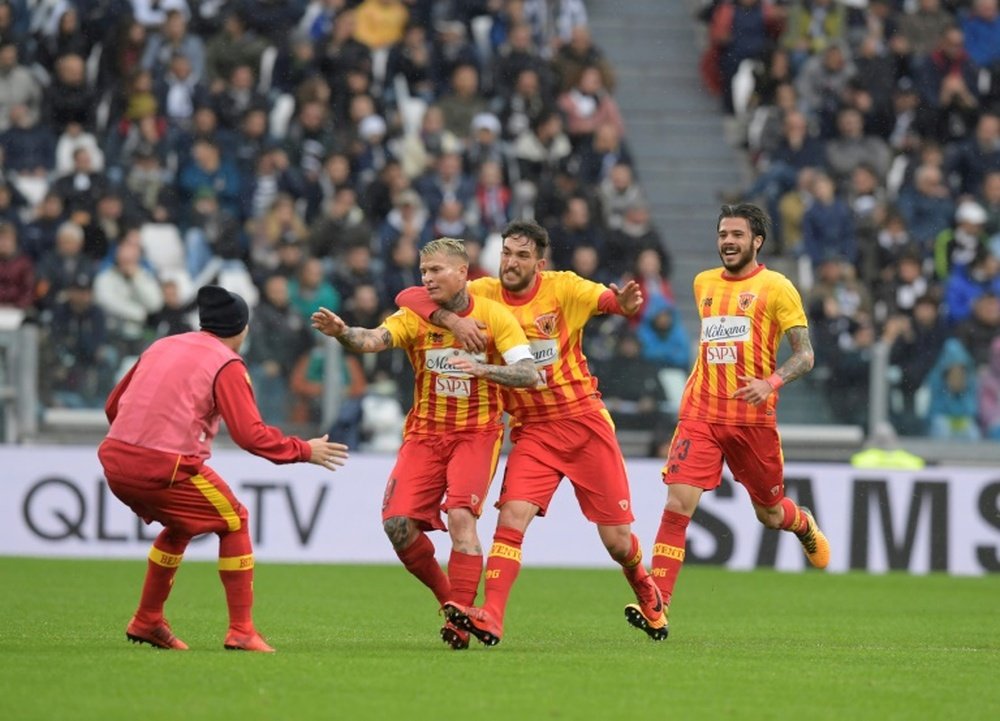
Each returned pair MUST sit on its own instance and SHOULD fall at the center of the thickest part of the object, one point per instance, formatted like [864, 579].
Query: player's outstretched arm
[326, 453]
[361, 340]
[521, 374]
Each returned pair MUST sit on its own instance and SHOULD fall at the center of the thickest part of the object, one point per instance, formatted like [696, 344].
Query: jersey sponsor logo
[545, 352]
[721, 328]
[438, 360]
[548, 323]
[452, 387]
[745, 300]
[720, 354]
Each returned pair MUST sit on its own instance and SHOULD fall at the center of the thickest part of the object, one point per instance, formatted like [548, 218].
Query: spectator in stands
[295, 64]
[516, 56]
[827, 226]
[173, 40]
[953, 395]
[60, 265]
[606, 150]
[983, 325]
[406, 220]
[74, 137]
[38, 238]
[235, 45]
[973, 158]
[553, 21]
[356, 269]
[281, 225]
[661, 335]
[812, 26]
[579, 53]
[588, 105]
[981, 25]
[947, 82]
[740, 30]
[616, 193]
[343, 224]
[586, 263]
[179, 314]
[463, 102]
[69, 99]
[851, 147]
[410, 59]
[630, 385]
[278, 338]
[107, 226]
[451, 221]
[310, 289]
[524, 105]
[451, 49]
[836, 278]
[17, 271]
[63, 37]
[926, 206]
[129, 294]
[18, 87]
[153, 13]
[923, 25]
[310, 139]
[493, 198]
[957, 247]
[379, 24]
[915, 342]
[635, 235]
[28, 148]
[401, 270]
[990, 201]
[485, 145]
[904, 283]
[538, 151]
[209, 171]
[445, 180]
[849, 363]
[989, 393]
[81, 361]
[575, 228]
[233, 99]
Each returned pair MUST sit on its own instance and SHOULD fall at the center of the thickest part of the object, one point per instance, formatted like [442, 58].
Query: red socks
[419, 560]
[668, 552]
[164, 558]
[502, 567]
[464, 570]
[794, 520]
[236, 571]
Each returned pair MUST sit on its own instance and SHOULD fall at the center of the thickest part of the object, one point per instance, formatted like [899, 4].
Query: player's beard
[516, 283]
[736, 264]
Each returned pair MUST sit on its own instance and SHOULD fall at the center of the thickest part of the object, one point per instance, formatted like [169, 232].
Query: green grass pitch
[361, 642]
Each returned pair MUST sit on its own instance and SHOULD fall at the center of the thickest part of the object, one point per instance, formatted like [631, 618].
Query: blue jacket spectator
[981, 25]
[953, 394]
[828, 226]
[662, 336]
[926, 206]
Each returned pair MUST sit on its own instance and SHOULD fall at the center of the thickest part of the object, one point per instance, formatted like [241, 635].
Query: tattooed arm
[757, 390]
[360, 340]
[521, 374]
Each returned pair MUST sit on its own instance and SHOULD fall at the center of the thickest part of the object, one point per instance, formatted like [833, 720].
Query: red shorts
[457, 468]
[583, 449]
[189, 501]
[753, 454]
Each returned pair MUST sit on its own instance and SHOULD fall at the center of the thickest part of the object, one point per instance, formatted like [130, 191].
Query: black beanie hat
[223, 313]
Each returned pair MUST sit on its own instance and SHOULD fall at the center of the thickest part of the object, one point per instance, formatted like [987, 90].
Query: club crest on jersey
[435, 337]
[707, 303]
[548, 323]
[745, 300]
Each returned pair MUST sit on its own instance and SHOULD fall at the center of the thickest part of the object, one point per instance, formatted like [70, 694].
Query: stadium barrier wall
[939, 519]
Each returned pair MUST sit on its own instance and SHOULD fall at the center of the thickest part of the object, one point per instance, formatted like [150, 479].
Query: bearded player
[559, 427]
[727, 411]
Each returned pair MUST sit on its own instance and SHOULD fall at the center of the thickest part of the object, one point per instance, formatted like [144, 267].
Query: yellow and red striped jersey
[446, 400]
[742, 323]
[553, 316]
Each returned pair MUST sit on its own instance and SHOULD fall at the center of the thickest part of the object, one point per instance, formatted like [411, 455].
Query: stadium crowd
[874, 131]
[301, 153]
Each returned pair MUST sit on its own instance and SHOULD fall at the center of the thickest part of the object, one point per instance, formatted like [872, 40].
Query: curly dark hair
[529, 229]
[756, 218]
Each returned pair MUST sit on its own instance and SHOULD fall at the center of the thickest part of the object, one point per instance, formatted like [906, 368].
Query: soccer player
[453, 434]
[164, 414]
[727, 410]
[560, 427]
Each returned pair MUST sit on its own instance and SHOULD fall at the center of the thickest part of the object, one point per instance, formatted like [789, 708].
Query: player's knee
[618, 541]
[398, 529]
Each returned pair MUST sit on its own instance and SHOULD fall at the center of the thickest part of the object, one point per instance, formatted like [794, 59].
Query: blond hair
[447, 246]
